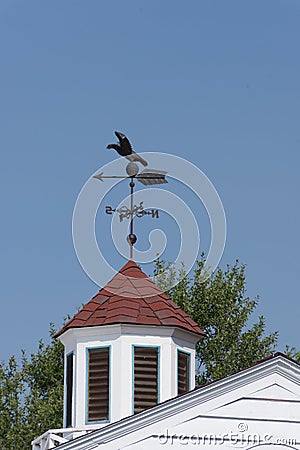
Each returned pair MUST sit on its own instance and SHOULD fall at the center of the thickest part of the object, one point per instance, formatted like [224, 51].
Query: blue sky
[214, 82]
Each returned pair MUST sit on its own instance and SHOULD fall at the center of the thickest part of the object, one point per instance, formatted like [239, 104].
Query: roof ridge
[135, 287]
[133, 266]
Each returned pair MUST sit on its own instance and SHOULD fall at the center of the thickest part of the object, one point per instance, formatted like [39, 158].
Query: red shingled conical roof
[131, 297]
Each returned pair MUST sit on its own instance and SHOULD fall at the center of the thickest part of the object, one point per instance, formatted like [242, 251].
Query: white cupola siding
[121, 369]
[127, 350]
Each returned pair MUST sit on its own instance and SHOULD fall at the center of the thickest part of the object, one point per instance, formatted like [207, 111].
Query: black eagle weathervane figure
[146, 177]
[124, 148]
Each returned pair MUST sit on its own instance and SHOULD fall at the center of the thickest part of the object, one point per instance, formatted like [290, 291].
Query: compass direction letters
[137, 211]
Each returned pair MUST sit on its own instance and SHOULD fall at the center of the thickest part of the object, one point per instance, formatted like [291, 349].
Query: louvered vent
[69, 382]
[183, 372]
[145, 378]
[98, 384]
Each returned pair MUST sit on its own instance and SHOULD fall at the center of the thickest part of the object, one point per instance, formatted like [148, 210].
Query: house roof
[277, 364]
[131, 297]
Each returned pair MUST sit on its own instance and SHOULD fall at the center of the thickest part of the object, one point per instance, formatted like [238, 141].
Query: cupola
[129, 348]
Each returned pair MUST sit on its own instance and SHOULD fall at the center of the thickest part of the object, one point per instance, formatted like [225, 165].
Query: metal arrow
[146, 177]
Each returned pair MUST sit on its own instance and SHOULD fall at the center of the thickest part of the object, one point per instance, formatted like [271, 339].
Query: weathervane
[147, 177]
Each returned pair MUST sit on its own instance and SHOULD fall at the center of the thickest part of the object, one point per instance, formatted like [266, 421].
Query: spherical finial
[131, 239]
[132, 169]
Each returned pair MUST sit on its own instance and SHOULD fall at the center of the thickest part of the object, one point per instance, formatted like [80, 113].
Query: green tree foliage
[31, 395]
[220, 306]
[292, 352]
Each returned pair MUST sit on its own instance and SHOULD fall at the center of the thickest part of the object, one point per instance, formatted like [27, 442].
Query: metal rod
[131, 184]
[131, 205]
